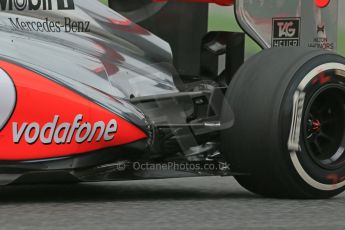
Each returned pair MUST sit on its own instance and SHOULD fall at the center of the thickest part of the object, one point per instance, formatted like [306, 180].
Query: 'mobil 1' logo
[7, 98]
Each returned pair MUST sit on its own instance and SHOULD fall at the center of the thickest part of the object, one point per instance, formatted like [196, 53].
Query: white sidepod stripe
[7, 98]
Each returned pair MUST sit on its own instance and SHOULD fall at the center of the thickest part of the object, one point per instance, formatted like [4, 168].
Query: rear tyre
[288, 135]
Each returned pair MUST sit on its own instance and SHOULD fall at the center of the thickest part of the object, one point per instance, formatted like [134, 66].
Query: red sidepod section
[41, 119]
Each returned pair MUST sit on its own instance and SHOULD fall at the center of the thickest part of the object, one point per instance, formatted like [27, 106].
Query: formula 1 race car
[142, 90]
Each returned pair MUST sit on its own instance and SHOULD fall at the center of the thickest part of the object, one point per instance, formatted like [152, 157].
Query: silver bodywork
[116, 56]
[111, 62]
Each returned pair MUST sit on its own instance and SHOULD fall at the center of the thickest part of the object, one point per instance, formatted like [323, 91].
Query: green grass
[341, 42]
[104, 1]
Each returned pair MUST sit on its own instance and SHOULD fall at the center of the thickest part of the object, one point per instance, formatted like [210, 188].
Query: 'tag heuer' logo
[21, 5]
[7, 98]
[64, 133]
[286, 32]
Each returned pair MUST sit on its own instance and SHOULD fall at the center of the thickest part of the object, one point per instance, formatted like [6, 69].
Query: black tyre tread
[251, 145]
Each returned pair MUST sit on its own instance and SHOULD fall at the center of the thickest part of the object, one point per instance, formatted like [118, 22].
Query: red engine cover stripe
[51, 121]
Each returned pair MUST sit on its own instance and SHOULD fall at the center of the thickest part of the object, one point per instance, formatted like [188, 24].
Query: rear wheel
[288, 136]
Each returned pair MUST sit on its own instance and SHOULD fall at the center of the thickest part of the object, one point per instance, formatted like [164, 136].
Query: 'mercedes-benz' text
[46, 25]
